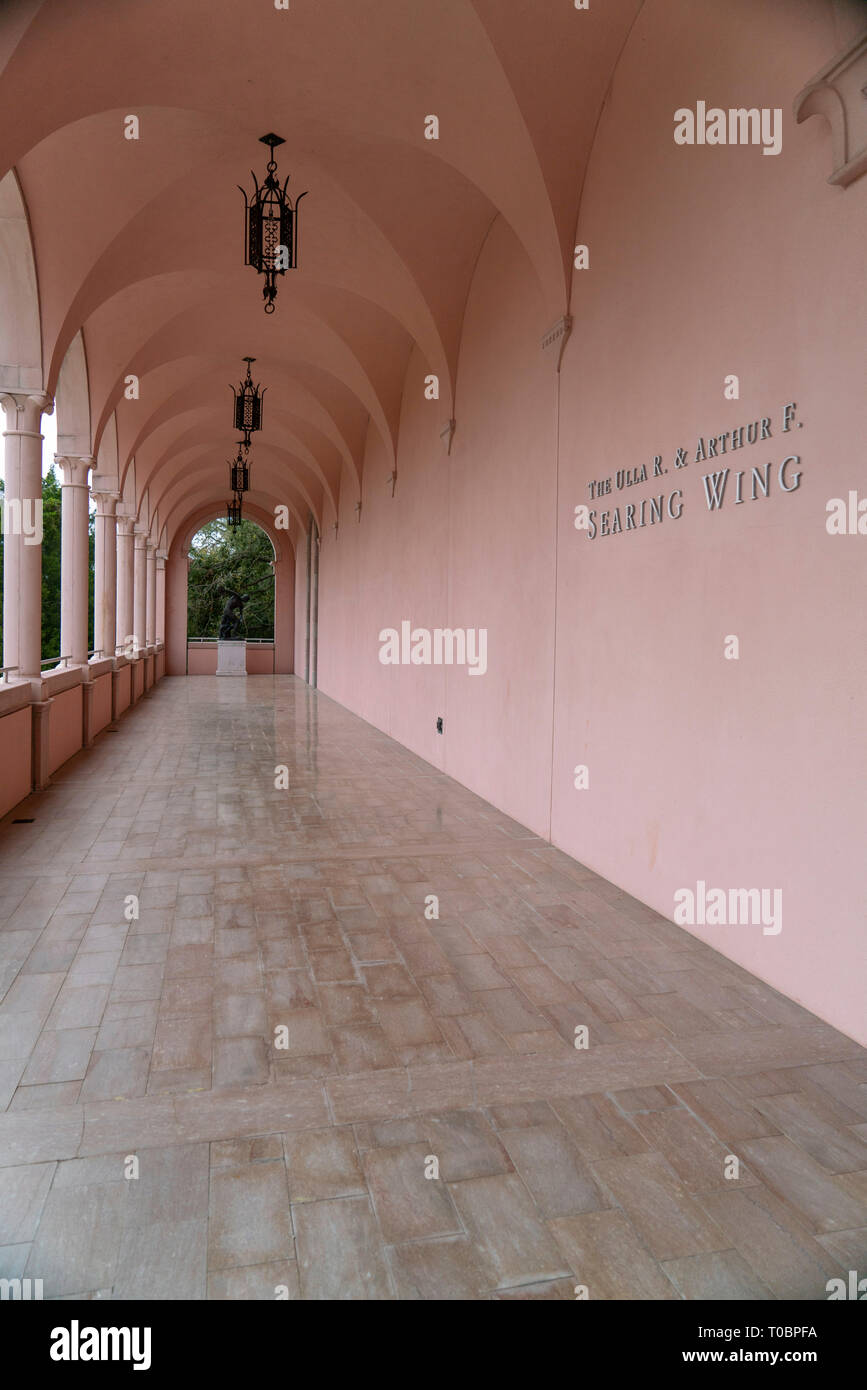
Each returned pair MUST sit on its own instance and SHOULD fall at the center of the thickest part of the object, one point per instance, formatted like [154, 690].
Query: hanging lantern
[240, 472]
[248, 405]
[271, 243]
[233, 511]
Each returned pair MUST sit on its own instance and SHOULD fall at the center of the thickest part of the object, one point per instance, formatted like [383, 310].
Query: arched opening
[20, 377]
[231, 586]
[203, 531]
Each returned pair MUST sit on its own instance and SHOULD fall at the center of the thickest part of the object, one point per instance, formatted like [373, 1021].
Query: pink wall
[284, 613]
[260, 661]
[15, 758]
[101, 712]
[300, 633]
[123, 688]
[201, 661]
[451, 549]
[705, 261]
[747, 772]
[64, 727]
[176, 614]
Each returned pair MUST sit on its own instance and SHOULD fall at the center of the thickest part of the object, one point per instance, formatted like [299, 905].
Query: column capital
[75, 468]
[125, 525]
[141, 536]
[24, 410]
[151, 547]
[106, 502]
[161, 559]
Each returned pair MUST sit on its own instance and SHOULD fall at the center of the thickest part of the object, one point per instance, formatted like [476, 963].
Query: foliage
[224, 558]
[51, 506]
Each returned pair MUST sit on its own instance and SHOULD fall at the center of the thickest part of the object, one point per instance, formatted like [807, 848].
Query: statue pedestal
[231, 658]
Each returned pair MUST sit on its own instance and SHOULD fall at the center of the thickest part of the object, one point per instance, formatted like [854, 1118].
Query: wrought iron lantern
[233, 511]
[248, 405]
[271, 242]
[240, 472]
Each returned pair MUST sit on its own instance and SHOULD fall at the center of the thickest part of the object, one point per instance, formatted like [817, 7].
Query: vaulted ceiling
[138, 244]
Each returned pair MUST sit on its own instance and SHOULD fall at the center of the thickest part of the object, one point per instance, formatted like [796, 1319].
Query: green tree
[224, 558]
[51, 565]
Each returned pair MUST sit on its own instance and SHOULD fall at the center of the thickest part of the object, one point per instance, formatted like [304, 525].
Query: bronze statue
[233, 613]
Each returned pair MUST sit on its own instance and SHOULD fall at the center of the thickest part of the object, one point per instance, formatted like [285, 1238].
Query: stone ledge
[14, 696]
[100, 667]
[55, 682]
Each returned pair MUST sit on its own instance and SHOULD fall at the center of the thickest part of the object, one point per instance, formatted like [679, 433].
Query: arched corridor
[495, 928]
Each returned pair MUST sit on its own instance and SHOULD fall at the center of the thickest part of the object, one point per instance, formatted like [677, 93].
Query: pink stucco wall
[300, 635]
[705, 261]
[201, 661]
[15, 758]
[64, 727]
[123, 688]
[260, 661]
[101, 711]
[465, 542]
[745, 772]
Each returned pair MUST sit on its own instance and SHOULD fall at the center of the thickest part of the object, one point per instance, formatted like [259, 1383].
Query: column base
[87, 691]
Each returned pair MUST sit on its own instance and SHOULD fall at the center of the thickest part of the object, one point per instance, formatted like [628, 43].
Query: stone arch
[20, 327]
[72, 401]
[177, 570]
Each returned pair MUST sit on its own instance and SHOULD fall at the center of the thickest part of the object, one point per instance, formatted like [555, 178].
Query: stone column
[161, 596]
[151, 608]
[314, 614]
[22, 542]
[123, 630]
[105, 573]
[307, 600]
[140, 588]
[74, 567]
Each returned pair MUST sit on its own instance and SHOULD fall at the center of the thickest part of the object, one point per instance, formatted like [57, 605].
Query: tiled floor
[298, 917]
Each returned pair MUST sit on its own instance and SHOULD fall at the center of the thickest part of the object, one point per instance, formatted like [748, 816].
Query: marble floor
[235, 1051]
